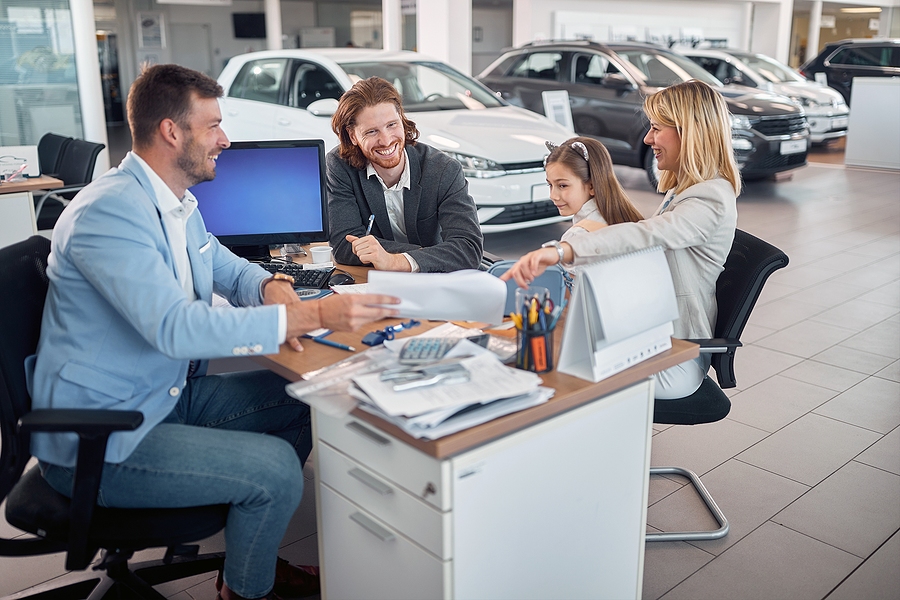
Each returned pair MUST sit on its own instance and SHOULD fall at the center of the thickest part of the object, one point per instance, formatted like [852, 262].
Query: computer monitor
[267, 192]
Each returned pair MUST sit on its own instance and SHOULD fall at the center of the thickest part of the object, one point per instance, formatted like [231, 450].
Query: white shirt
[175, 214]
[393, 201]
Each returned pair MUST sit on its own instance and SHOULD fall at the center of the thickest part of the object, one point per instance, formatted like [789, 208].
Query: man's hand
[282, 292]
[589, 225]
[530, 266]
[338, 312]
[368, 249]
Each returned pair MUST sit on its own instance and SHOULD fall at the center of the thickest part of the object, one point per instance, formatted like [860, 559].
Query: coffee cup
[321, 254]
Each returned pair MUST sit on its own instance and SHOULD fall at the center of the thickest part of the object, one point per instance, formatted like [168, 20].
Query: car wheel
[651, 168]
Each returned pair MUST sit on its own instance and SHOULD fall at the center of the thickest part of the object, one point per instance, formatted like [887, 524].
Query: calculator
[419, 350]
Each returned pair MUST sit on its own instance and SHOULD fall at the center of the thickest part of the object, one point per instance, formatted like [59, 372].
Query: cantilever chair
[76, 169]
[77, 526]
[747, 268]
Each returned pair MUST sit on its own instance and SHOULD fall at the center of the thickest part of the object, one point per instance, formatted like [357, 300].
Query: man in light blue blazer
[132, 271]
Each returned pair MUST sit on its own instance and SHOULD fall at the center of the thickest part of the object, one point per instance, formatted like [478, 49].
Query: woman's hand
[589, 225]
[530, 266]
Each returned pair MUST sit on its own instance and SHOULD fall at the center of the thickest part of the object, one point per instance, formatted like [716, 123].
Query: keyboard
[303, 278]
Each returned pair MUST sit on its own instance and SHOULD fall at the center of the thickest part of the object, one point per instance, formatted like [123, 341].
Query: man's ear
[169, 132]
[352, 135]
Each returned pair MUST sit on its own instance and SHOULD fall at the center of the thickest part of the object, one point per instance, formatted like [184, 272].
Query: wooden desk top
[44, 182]
[571, 392]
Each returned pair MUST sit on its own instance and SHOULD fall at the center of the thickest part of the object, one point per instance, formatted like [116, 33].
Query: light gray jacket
[696, 229]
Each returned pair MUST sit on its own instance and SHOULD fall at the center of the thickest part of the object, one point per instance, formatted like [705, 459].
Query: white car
[292, 94]
[825, 108]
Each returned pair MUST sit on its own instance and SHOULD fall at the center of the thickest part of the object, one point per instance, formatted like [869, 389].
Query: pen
[369, 227]
[327, 342]
[25, 166]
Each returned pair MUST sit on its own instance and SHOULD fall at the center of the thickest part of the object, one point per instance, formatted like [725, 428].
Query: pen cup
[534, 351]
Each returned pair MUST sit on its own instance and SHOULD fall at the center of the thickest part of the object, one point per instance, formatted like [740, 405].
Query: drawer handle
[370, 481]
[372, 527]
[368, 433]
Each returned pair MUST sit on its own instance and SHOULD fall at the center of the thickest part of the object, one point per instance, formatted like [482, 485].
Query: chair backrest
[76, 166]
[23, 289]
[747, 268]
[50, 150]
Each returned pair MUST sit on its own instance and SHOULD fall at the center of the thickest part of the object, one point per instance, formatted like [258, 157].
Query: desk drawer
[421, 475]
[412, 517]
[365, 558]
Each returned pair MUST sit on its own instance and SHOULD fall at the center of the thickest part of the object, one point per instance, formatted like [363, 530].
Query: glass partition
[38, 86]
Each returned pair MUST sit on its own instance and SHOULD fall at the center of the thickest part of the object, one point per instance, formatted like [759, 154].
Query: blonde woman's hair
[589, 160]
[701, 117]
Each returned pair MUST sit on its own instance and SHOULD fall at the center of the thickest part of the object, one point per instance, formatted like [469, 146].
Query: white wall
[496, 34]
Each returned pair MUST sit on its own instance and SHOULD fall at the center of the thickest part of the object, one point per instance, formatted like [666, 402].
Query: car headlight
[740, 122]
[804, 101]
[742, 144]
[476, 166]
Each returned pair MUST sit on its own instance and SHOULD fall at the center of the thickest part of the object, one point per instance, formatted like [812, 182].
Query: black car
[607, 84]
[841, 61]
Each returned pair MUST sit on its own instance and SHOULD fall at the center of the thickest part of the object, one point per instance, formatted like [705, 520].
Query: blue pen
[327, 342]
[371, 221]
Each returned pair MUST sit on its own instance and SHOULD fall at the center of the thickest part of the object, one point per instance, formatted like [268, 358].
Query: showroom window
[868, 56]
[259, 80]
[38, 86]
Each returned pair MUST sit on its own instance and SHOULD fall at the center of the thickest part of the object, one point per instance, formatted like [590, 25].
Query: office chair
[50, 149]
[748, 266]
[77, 526]
[76, 169]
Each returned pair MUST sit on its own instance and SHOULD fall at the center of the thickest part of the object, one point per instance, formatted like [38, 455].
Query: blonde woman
[690, 134]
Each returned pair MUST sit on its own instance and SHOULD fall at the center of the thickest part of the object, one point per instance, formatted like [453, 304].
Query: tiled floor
[807, 465]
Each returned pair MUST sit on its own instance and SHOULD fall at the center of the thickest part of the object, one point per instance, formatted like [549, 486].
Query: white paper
[468, 295]
[353, 288]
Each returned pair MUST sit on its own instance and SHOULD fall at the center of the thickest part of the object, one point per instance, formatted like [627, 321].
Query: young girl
[584, 186]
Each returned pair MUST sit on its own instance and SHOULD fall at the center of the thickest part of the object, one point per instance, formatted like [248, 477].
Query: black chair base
[122, 580]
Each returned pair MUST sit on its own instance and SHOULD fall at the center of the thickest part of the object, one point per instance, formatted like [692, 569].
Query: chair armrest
[39, 204]
[93, 428]
[717, 345]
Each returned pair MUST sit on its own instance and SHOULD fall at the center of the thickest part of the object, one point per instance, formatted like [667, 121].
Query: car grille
[772, 126]
[778, 162]
[537, 164]
[519, 213]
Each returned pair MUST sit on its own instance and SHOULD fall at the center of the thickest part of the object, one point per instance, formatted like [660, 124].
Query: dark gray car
[607, 84]
[839, 62]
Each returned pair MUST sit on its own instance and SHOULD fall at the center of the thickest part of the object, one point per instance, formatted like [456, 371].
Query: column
[391, 25]
[444, 31]
[87, 68]
[815, 26]
[785, 18]
[273, 25]
[522, 30]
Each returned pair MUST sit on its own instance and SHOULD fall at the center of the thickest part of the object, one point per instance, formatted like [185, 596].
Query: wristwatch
[280, 277]
[559, 249]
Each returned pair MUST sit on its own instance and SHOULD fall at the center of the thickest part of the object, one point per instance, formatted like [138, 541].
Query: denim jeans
[210, 450]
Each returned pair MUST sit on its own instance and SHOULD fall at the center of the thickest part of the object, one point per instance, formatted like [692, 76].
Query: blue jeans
[209, 451]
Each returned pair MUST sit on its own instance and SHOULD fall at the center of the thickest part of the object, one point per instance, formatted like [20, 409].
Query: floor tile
[828, 293]
[668, 563]
[661, 487]
[851, 510]
[884, 454]
[849, 358]
[857, 315]
[873, 404]
[747, 495]
[880, 248]
[809, 449]
[883, 339]
[775, 402]
[876, 579]
[887, 294]
[19, 573]
[827, 376]
[753, 333]
[802, 276]
[784, 312]
[805, 339]
[771, 562]
[702, 447]
[774, 290]
[753, 364]
[874, 275]
[892, 371]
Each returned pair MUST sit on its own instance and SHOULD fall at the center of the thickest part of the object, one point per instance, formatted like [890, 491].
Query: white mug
[321, 254]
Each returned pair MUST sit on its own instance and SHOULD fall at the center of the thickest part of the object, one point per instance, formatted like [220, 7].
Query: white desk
[549, 502]
[17, 221]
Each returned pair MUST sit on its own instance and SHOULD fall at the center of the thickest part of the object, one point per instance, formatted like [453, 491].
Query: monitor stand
[255, 253]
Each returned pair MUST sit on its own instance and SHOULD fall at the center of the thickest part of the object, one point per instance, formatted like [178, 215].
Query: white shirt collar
[404, 177]
[166, 199]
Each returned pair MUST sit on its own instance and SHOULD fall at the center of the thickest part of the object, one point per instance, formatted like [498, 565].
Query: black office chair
[76, 169]
[77, 526]
[747, 268]
[50, 150]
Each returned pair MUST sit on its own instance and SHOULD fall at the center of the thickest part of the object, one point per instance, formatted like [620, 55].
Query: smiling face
[666, 145]
[567, 192]
[379, 134]
[203, 141]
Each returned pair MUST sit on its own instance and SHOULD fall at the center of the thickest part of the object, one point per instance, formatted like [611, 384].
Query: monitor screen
[249, 25]
[270, 192]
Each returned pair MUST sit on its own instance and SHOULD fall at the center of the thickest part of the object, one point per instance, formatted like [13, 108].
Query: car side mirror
[325, 107]
[617, 80]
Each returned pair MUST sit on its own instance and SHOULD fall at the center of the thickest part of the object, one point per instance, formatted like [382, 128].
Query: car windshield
[770, 68]
[427, 85]
[663, 69]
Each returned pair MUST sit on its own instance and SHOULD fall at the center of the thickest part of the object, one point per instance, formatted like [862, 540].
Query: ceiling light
[861, 9]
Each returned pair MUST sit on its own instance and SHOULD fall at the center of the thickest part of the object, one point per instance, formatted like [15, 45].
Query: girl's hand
[589, 225]
[530, 266]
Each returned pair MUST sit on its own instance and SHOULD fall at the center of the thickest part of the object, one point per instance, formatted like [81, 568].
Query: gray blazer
[696, 230]
[440, 216]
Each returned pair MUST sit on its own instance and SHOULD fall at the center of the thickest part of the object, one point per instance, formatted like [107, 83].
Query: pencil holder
[534, 351]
